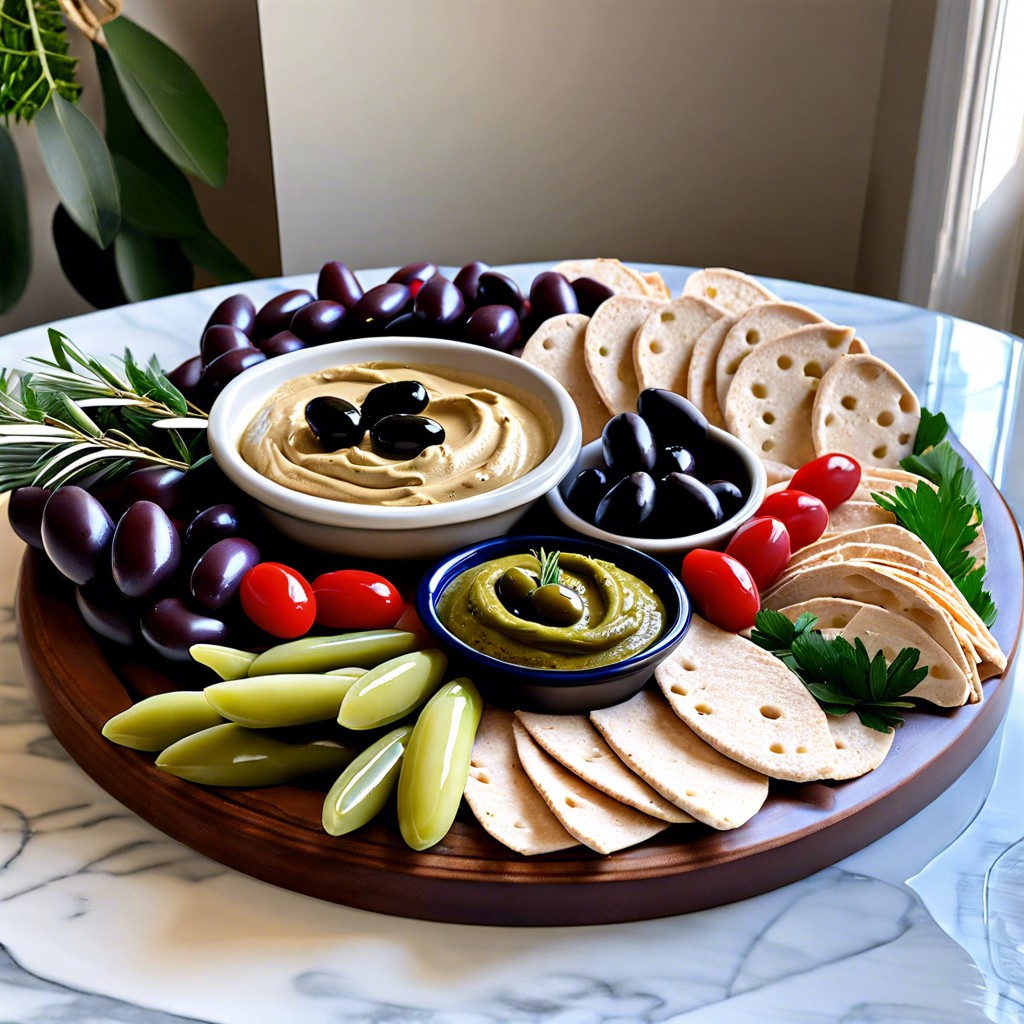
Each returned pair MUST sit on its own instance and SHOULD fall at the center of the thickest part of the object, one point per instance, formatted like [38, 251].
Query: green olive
[514, 588]
[159, 721]
[557, 604]
[391, 690]
[265, 702]
[227, 662]
[364, 786]
[321, 653]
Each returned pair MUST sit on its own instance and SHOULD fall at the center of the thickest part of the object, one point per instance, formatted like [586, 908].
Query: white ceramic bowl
[716, 537]
[425, 531]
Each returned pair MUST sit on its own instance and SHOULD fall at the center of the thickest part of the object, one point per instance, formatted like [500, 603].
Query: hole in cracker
[518, 824]
[711, 292]
[752, 337]
[840, 745]
[885, 418]
[759, 390]
[482, 777]
[880, 451]
[904, 439]
[594, 755]
[570, 802]
[812, 369]
[474, 763]
[801, 750]
[767, 446]
[768, 417]
[702, 709]
[834, 340]
[784, 362]
[777, 748]
[689, 666]
[680, 691]
[829, 419]
[733, 367]
[665, 317]
[691, 792]
[623, 373]
[770, 711]
[848, 402]
[907, 402]
[938, 672]
[602, 351]
[868, 372]
[547, 343]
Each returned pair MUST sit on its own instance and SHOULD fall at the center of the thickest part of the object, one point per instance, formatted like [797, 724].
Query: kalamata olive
[339, 284]
[408, 396]
[235, 311]
[672, 419]
[161, 485]
[439, 303]
[379, 306]
[215, 523]
[627, 506]
[170, 627]
[224, 369]
[25, 513]
[590, 294]
[410, 325]
[495, 327]
[675, 459]
[77, 533]
[219, 339]
[185, 376]
[277, 314]
[729, 496]
[716, 461]
[628, 445]
[551, 295]
[402, 436]
[281, 344]
[685, 506]
[335, 423]
[414, 275]
[467, 280]
[497, 289]
[146, 551]
[108, 612]
[319, 322]
[219, 571]
[557, 604]
[585, 492]
[514, 588]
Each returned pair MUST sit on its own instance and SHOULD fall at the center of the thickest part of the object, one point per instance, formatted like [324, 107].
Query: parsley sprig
[841, 676]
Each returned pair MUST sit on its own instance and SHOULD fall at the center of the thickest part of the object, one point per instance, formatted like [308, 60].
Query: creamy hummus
[494, 434]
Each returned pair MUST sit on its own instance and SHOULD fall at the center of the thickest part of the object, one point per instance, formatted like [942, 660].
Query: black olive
[402, 436]
[686, 506]
[334, 422]
[557, 604]
[720, 462]
[730, 497]
[628, 445]
[400, 396]
[627, 506]
[673, 419]
[676, 459]
[514, 588]
[584, 494]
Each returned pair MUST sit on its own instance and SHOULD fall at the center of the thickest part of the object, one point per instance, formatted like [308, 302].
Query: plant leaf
[164, 206]
[16, 262]
[150, 267]
[207, 251]
[79, 165]
[169, 101]
[930, 431]
[89, 269]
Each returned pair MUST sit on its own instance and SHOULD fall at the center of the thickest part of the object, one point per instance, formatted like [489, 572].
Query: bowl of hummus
[507, 434]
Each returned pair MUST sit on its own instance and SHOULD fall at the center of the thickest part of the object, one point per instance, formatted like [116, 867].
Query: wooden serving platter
[275, 834]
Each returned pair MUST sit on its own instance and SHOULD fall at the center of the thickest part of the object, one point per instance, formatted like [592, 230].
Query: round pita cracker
[859, 750]
[616, 275]
[731, 289]
[664, 344]
[700, 378]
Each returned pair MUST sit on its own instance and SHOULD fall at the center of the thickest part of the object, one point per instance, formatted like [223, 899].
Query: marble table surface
[103, 918]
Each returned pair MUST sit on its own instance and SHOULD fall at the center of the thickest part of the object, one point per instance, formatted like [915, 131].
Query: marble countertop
[103, 918]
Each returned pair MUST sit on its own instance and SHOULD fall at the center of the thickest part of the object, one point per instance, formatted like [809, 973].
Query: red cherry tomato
[833, 478]
[354, 599]
[278, 600]
[804, 516]
[762, 545]
[721, 589]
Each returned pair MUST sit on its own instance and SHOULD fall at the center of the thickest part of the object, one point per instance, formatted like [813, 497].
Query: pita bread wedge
[865, 408]
[596, 820]
[573, 741]
[501, 795]
[679, 764]
[759, 323]
[608, 349]
[656, 285]
[731, 289]
[855, 515]
[616, 275]
[769, 402]
[859, 750]
[747, 704]
[700, 378]
[831, 612]
[884, 480]
[664, 344]
[556, 347]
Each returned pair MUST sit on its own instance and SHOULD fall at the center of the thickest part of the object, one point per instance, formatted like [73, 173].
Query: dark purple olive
[590, 294]
[551, 295]
[170, 627]
[77, 533]
[224, 369]
[319, 322]
[108, 612]
[219, 571]
[277, 314]
[235, 311]
[218, 522]
[379, 306]
[729, 496]
[399, 396]
[339, 284]
[467, 280]
[716, 461]
[497, 289]
[584, 494]
[146, 551]
[161, 485]
[185, 376]
[675, 459]
[412, 273]
[408, 324]
[402, 436]
[672, 419]
[219, 339]
[627, 506]
[494, 327]
[685, 506]
[335, 423]
[439, 303]
[628, 446]
[25, 513]
[281, 344]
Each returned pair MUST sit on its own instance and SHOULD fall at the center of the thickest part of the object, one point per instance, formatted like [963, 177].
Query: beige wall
[221, 41]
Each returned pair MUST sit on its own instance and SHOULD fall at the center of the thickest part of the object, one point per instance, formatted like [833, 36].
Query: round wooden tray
[275, 834]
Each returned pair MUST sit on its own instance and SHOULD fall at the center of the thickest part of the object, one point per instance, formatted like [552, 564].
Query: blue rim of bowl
[643, 566]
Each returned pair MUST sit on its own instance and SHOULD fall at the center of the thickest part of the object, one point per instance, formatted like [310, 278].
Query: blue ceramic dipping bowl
[547, 690]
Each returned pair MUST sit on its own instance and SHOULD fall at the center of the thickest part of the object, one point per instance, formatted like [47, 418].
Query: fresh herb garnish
[549, 571]
[841, 676]
[930, 431]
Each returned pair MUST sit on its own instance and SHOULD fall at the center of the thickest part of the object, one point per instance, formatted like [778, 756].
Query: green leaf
[877, 676]
[15, 244]
[207, 251]
[971, 585]
[150, 267]
[165, 207]
[89, 269]
[79, 165]
[944, 467]
[169, 100]
[930, 431]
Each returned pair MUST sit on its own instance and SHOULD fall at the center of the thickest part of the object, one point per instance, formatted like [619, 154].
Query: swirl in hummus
[493, 435]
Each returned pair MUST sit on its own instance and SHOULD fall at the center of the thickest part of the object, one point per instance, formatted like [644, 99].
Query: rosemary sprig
[549, 571]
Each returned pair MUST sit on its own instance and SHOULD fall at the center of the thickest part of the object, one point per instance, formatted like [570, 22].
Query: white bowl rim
[225, 427]
[672, 545]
